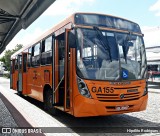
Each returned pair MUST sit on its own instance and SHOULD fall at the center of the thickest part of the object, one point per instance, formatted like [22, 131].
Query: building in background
[153, 60]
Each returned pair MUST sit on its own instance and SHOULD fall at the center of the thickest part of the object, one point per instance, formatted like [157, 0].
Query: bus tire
[48, 104]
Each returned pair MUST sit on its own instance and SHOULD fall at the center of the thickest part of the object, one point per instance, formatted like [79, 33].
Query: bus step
[59, 107]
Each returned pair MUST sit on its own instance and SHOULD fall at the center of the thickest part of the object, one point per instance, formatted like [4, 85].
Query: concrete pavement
[21, 113]
[11, 118]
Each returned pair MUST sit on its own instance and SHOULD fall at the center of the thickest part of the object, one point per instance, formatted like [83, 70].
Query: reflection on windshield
[132, 55]
[124, 58]
[103, 41]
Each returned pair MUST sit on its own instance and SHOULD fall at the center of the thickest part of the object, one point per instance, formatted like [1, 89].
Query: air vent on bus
[118, 97]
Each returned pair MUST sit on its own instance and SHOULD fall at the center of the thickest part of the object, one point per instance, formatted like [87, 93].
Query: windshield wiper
[103, 41]
[126, 46]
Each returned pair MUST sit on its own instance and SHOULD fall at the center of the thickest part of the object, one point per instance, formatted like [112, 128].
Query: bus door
[24, 73]
[61, 72]
[67, 75]
[19, 83]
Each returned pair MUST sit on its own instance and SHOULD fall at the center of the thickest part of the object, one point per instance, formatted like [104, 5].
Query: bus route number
[102, 89]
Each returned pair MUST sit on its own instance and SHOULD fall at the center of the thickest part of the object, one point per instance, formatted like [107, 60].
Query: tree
[2, 59]
[18, 47]
[7, 55]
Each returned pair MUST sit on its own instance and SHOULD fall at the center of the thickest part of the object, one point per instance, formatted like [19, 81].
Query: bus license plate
[119, 108]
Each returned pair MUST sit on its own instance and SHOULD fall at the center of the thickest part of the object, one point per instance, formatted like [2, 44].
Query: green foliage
[18, 47]
[6, 75]
[2, 59]
[7, 55]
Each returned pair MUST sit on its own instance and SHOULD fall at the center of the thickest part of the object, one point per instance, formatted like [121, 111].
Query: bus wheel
[48, 102]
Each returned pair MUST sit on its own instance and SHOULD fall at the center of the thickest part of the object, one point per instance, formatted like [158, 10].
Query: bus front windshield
[106, 55]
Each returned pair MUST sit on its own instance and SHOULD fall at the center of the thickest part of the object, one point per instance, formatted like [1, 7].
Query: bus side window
[16, 63]
[46, 57]
[36, 55]
[24, 63]
[12, 66]
[29, 57]
[61, 52]
[20, 62]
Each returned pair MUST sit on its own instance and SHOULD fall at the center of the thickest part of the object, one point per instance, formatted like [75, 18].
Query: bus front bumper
[84, 107]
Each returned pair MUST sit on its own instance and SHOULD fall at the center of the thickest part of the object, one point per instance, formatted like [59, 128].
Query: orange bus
[88, 65]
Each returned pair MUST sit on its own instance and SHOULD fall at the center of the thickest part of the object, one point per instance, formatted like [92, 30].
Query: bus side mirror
[71, 40]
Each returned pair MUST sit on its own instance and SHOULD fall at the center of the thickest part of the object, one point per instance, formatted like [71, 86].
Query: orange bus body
[46, 70]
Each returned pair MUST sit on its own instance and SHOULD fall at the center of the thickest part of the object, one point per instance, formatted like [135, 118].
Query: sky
[144, 12]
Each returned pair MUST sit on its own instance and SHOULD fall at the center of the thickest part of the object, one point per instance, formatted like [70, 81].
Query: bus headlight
[83, 89]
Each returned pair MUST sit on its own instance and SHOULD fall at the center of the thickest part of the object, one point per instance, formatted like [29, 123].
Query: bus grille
[117, 98]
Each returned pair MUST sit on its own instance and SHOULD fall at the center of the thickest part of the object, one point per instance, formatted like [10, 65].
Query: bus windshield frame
[110, 55]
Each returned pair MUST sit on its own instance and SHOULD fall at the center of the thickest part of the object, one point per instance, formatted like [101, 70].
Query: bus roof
[70, 19]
